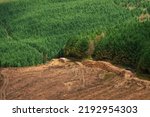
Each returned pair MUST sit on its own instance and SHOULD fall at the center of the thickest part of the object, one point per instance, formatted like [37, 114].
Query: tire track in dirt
[66, 79]
[3, 85]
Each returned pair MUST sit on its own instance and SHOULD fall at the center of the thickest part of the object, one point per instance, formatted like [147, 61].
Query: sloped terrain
[66, 79]
[34, 31]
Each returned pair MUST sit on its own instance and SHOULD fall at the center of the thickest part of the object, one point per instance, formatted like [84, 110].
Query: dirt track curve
[65, 79]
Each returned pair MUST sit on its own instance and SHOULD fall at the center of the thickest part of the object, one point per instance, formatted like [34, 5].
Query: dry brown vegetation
[144, 17]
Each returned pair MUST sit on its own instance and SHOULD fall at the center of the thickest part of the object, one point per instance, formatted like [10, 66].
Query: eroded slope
[65, 79]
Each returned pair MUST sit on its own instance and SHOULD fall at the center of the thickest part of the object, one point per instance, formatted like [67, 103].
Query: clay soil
[66, 79]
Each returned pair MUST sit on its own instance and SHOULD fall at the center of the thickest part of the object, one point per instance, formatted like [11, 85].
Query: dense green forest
[34, 31]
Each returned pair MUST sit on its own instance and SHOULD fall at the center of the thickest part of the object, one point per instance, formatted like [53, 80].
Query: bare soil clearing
[66, 79]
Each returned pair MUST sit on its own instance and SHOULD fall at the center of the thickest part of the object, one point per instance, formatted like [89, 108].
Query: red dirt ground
[66, 79]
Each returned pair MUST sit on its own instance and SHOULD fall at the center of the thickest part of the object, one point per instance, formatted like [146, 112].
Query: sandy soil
[66, 79]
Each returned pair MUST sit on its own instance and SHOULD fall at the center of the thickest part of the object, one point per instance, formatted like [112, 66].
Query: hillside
[45, 26]
[35, 31]
[89, 32]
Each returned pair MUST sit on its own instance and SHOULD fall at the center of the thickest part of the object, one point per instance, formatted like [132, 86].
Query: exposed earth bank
[66, 79]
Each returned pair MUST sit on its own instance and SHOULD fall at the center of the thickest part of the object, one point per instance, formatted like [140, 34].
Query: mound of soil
[66, 79]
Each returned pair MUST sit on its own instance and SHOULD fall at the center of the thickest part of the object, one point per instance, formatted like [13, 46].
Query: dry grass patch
[144, 17]
[131, 7]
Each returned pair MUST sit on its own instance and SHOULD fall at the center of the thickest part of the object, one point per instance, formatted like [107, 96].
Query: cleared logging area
[34, 31]
[74, 80]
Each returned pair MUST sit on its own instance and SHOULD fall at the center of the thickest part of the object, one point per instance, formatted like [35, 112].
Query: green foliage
[18, 54]
[47, 25]
[127, 46]
[34, 31]
[144, 60]
[76, 48]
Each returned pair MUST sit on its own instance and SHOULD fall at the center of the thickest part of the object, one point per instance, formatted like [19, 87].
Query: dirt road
[65, 79]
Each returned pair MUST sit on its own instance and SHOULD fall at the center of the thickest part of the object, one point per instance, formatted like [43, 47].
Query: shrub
[76, 48]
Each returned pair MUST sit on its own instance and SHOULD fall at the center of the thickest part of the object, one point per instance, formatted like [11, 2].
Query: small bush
[76, 48]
